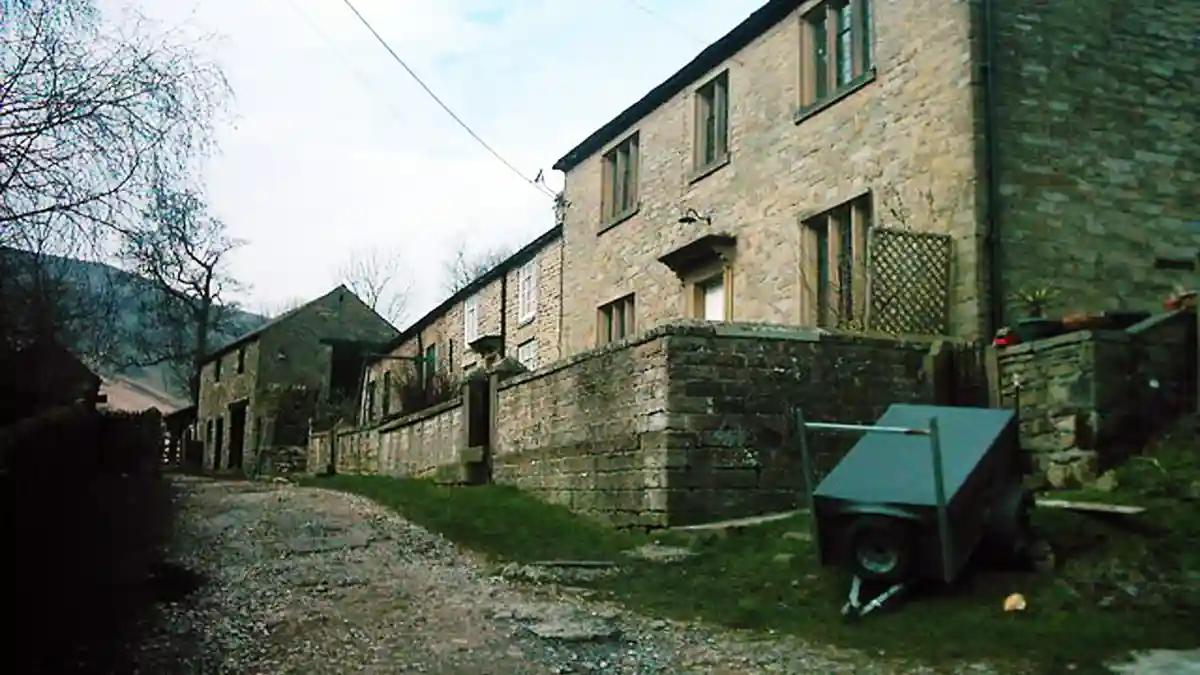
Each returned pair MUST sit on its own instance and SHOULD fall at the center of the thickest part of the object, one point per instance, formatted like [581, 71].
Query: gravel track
[303, 580]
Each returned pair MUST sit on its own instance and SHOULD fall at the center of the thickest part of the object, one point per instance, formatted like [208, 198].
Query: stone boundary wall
[1086, 399]
[413, 445]
[686, 423]
[690, 422]
[587, 432]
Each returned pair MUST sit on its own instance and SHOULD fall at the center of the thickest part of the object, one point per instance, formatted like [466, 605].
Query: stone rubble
[390, 597]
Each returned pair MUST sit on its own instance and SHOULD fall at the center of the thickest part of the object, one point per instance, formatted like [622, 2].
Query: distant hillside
[129, 291]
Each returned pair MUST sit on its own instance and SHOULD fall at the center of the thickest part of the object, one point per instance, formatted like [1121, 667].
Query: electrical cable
[437, 99]
[341, 56]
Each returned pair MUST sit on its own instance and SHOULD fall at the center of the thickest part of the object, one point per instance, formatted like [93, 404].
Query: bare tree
[183, 250]
[380, 279]
[463, 267]
[89, 114]
[85, 110]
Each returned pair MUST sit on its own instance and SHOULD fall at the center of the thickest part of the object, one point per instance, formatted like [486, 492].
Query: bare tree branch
[184, 252]
[465, 266]
[381, 280]
[89, 113]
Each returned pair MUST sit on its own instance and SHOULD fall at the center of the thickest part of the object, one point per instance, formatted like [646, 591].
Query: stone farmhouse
[243, 407]
[831, 208]
[1054, 143]
[514, 310]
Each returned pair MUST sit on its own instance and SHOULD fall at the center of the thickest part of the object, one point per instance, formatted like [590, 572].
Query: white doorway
[712, 295]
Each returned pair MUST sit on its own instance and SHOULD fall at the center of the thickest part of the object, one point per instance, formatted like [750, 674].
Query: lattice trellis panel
[908, 283]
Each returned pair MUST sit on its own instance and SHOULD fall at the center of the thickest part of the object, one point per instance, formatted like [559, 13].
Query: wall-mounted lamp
[692, 216]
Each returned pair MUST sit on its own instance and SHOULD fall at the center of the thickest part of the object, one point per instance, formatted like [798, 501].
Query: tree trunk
[203, 319]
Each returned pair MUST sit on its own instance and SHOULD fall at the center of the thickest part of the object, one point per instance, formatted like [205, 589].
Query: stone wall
[690, 422]
[1087, 398]
[1098, 146]
[413, 445]
[287, 352]
[356, 450]
[498, 295]
[319, 443]
[909, 129]
[732, 389]
[588, 432]
[217, 393]
[418, 444]
[687, 423]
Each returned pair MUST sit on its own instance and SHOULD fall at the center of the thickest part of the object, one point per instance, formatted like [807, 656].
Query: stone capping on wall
[1120, 335]
[703, 328]
[1154, 321]
[413, 418]
[1050, 343]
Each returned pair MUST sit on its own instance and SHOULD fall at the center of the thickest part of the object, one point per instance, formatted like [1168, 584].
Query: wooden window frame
[620, 175]
[241, 360]
[825, 236]
[385, 396]
[531, 343]
[369, 402]
[712, 101]
[697, 281]
[819, 82]
[428, 364]
[471, 319]
[527, 295]
[616, 320]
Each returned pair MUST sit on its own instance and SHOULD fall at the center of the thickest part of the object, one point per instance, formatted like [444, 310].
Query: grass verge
[1122, 584]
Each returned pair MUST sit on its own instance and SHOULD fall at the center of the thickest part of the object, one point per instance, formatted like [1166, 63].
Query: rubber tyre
[882, 549]
[1009, 529]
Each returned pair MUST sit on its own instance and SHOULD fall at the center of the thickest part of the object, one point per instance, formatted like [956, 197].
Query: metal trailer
[891, 518]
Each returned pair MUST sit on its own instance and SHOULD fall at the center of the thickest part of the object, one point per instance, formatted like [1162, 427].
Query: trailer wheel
[1009, 528]
[882, 549]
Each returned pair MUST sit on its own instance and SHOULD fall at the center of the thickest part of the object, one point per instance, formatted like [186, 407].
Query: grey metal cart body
[918, 493]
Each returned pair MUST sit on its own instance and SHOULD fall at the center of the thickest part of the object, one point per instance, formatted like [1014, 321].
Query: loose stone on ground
[304, 580]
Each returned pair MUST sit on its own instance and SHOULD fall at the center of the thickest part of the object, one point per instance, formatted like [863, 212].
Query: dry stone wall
[691, 422]
[414, 445]
[1086, 399]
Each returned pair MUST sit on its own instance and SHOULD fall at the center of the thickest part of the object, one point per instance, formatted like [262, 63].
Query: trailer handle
[939, 477]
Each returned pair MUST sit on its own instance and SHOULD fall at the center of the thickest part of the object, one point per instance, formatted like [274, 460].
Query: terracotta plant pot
[1083, 321]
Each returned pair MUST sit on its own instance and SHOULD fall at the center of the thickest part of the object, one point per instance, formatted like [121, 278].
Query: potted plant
[1180, 299]
[1035, 325]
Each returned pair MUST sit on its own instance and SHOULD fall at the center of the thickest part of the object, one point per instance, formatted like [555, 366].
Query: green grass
[498, 521]
[760, 579]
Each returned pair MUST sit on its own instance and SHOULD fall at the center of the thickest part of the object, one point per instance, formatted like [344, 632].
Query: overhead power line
[683, 30]
[437, 99]
[341, 56]
[677, 26]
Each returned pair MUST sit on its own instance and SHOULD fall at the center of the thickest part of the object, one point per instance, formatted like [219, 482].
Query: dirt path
[311, 581]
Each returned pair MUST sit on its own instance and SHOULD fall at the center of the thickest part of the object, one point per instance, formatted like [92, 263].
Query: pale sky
[334, 148]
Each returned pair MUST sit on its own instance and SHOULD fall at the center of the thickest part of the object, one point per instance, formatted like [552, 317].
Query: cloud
[335, 147]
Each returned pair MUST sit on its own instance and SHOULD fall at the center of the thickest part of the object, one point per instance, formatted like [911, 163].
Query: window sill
[525, 321]
[812, 109]
[618, 219]
[708, 170]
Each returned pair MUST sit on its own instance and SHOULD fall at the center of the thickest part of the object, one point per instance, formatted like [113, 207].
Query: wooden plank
[991, 367]
[738, 522]
[1091, 507]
